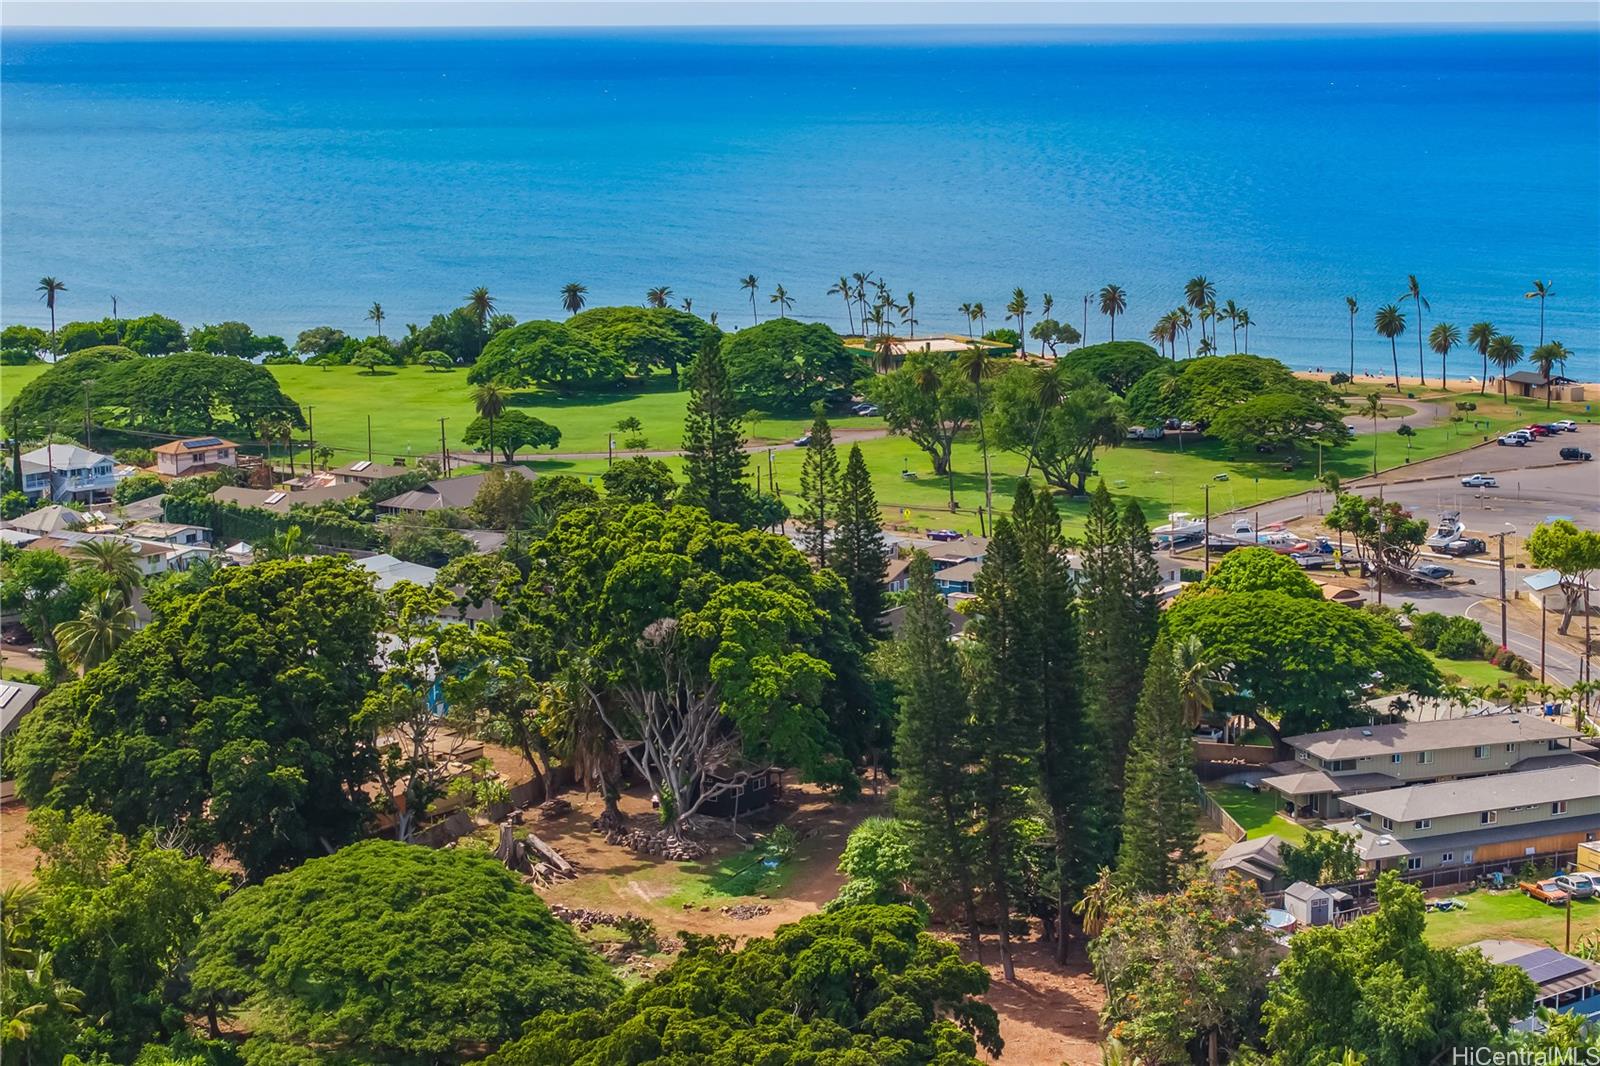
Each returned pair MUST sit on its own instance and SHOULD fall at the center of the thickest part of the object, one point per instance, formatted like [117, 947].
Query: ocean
[290, 180]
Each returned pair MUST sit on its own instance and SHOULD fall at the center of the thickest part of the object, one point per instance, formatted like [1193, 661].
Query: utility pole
[88, 423]
[311, 432]
[1544, 624]
[444, 454]
[1207, 537]
[1503, 632]
[369, 438]
[1084, 340]
[611, 447]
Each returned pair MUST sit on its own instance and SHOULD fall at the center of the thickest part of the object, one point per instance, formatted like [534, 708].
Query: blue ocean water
[291, 180]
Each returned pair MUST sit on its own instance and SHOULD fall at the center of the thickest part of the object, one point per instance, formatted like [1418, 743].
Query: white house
[66, 471]
[196, 455]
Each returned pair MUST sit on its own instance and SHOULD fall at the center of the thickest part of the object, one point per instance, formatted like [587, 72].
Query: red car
[1538, 431]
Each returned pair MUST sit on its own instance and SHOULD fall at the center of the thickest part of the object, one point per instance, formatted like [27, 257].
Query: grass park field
[404, 406]
[1510, 915]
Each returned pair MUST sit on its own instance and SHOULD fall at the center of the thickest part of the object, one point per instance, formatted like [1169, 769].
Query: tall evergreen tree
[1143, 578]
[1069, 768]
[1002, 652]
[713, 442]
[819, 489]
[933, 745]
[1100, 585]
[1159, 834]
[859, 554]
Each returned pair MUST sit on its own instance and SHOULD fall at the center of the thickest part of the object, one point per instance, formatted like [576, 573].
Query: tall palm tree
[1230, 314]
[1504, 353]
[89, 639]
[1350, 303]
[1113, 302]
[1480, 335]
[861, 277]
[908, 313]
[1018, 309]
[1442, 338]
[1550, 359]
[842, 288]
[658, 296]
[977, 365]
[1200, 679]
[1373, 409]
[286, 545]
[481, 304]
[688, 305]
[573, 297]
[48, 288]
[1540, 291]
[1198, 292]
[981, 315]
[780, 296]
[885, 349]
[1158, 333]
[490, 402]
[1205, 347]
[1185, 323]
[966, 310]
[376, 316]
[1049, 389]
[114, 558]
[750, 283]
[1414, 294]
[1245, 322]
[1047, 304]
[1390, 322]
[45, 995]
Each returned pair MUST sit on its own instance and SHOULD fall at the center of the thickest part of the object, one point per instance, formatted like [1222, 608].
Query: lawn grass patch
[1471, 672]
[1256, 813]
[1510, 915]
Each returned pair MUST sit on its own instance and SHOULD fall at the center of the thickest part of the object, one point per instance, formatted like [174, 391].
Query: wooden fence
[1248, 754]
[1220, 818]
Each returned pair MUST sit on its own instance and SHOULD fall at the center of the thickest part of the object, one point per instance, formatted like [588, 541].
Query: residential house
[153, 556]
[452, 492]
[1565, 982]
[16, 699]
[279, 501]
[365, 472]
[1531, 383]
[895, 618]
[50, 519]
[897, 575]
[960, 578]
[175, 533]
[1331, 767]
[195, 455]
[1498, 818]
[1257, 858]
[390, 571]
[67, 471]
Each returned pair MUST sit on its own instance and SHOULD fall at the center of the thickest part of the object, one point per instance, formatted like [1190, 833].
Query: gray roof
[446, 492]
[1373, 844]
[369, 471]
[50, 519]
[1317, 782]
[1375, 740]
[281, 500]
[1492, 792]
[391, 571]
[1257, 856]
[64, 457]
[16, 699]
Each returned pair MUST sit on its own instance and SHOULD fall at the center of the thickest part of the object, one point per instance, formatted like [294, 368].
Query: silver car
[1577, 885]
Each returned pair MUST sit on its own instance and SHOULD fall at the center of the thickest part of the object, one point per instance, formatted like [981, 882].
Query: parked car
[865, 408]
[1566, 425]
[1509, 441]
[1465, 546]
[1523, 435]
[1433, 571]
[1538, 430]
[1549, 429]
[1189, 427]
[802, 442]
[1310, 560]
[1480, 481]
[1577, 454]
[1206, 732]
[1576, 885]
[944, 534]
[1545, 891]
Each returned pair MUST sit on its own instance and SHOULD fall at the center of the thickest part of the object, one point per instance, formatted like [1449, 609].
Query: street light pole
[1503, 630]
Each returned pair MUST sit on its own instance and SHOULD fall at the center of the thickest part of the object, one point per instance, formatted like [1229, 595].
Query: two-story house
[1331, 767]
[1502, 817]
[196, 455]
[67, 472]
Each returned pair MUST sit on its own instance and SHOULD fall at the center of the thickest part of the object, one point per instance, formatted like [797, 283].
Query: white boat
[1449, 530]
[1180, 526]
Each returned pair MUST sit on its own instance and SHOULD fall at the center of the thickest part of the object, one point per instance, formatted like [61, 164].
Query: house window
[1511, 747]
[1558, 807]
[1481, 751]
[1337, 765]
[1424, 757]
[1422, 823]
[1488, 817]
[1414, 863]
[1387, 824]
[1397, 758]
[1448, 856]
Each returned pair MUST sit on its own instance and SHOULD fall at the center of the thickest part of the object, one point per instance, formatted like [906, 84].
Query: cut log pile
[657, 842]
[536, 860]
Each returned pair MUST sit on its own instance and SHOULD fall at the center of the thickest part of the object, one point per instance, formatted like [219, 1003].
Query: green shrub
[138, 487]
[1426, 627]
[1461, 638]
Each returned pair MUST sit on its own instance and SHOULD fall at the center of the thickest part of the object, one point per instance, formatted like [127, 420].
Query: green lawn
[1511, 915]
[1256, 812]
[1471, 673]
[13, 378]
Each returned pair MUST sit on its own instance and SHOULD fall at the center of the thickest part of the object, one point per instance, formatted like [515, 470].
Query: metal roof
[1473, 794]
[1375, 740]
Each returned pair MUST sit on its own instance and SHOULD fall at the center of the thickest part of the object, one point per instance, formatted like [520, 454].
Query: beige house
[1330, 768]
[196, 455]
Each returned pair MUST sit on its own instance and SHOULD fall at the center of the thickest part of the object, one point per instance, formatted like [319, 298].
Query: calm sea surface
[290, 181]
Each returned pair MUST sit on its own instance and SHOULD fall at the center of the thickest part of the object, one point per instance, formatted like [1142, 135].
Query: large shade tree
[785, 364]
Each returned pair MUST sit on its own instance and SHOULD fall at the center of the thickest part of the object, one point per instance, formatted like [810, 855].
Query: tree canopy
[785, 364]
[849, 986]
[1278, 408]
[645, 338]
[928, 400]
[392, 953]
[1056, 417]
[512, 431]
[1116, 364]
[545, 354]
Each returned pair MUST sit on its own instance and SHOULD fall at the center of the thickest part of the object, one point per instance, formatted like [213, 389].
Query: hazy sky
[507, 13]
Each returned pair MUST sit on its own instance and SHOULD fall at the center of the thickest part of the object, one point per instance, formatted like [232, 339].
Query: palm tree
[1245, 323]
[286, 545]
[1018, 309]
[1185, 323]
[1550, 358]
[490, 402]
[976, 364]
[1373, 409]
[1441, 339]
[49, 287]
[842, 288]
[573, 297]
[780, 296]
[1350, 302]
[1480, 335]
[1113, 302]
[750, 282]
[1414, 294]
[44, 993]
[658, 296]
[1205, 347]
[1230, 313]
[981, 315]
[89, 639]
[1158, 333]
[966, 310]
[861, 277]
[114, 558]
[688, 305]
[1198, 292]
[1097, 902]
[884, 349]
[1390, 323]
[1541, 290]
[908, 313]
[1200, 679]
[1048, 391]
[1047, 304]
[1504, 353]
[375, 316]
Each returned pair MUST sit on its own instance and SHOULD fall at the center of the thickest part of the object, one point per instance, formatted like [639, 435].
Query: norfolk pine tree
[1002, 654]
[859, 554]
[933, 748]
[713, 442]
[1159, 835]
[819, 489]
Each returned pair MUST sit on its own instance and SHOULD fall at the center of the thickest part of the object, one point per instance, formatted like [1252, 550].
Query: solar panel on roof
[1548, 964]
[202, 442]
[6, 692]
[362, 465]
[275, 498]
